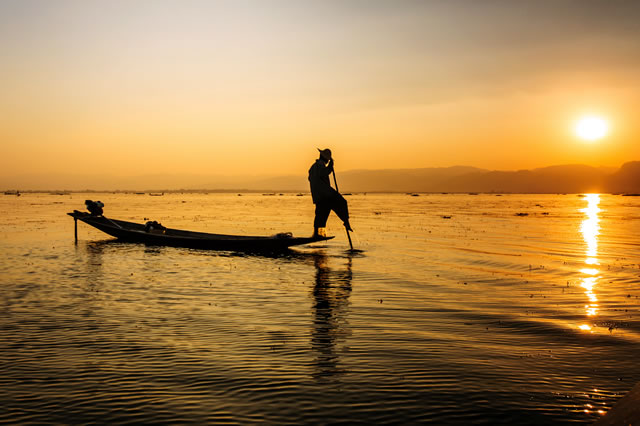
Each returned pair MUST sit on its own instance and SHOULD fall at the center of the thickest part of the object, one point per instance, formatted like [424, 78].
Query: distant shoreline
[161, 192]
[564, 179]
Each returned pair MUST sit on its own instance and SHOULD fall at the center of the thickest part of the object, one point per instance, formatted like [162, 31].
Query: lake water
[484, 317]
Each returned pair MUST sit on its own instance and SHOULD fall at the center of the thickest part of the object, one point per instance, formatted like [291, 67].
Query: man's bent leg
[339, 206]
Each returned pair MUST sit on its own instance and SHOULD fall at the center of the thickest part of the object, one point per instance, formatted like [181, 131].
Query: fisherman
[324, 196]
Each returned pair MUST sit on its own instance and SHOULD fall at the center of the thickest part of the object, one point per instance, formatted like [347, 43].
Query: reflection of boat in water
[159, 235]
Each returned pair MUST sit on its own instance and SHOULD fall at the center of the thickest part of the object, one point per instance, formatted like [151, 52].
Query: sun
[591, 128]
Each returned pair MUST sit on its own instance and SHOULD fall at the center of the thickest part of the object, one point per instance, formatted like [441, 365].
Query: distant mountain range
[555, 179]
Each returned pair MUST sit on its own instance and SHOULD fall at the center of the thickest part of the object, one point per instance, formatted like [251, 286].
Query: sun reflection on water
[590, 229]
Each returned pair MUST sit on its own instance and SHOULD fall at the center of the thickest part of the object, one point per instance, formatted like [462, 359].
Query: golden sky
[252, 87]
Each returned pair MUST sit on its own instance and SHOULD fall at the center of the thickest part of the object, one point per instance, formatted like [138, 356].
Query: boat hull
[136, 233]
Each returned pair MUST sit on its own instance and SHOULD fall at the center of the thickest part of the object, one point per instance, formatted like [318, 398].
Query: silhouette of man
[324, 196]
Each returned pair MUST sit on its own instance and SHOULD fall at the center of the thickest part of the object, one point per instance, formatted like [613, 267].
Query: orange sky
[252, 87]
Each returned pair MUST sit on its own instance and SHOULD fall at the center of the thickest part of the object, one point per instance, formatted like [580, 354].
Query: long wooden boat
[141, 233]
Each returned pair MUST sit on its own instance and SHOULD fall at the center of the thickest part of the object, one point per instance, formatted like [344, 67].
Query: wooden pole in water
[75, 231]
[335, 181]
[349, 237]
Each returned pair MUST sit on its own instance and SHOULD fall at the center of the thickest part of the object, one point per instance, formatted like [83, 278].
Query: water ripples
[486, 317]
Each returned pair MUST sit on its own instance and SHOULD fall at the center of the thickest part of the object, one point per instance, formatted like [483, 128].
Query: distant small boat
[16, 193]
[156, 234]
[156, 194]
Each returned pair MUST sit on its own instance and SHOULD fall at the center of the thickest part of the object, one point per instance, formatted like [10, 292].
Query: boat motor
[94, 207]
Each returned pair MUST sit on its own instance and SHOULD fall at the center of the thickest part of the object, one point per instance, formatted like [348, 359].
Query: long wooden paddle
[335, 181]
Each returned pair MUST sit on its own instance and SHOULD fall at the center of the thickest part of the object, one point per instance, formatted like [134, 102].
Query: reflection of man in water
[324, 196]
[330, 302]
